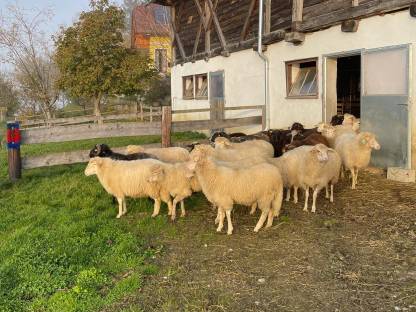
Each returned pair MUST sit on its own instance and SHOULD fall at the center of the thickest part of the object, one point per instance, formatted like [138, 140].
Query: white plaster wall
[244, 71]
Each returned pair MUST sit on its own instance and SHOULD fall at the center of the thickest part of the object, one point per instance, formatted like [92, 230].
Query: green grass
[61, 247]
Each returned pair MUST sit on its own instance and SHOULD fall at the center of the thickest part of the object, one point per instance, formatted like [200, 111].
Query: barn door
[384, 103]
[216, 96]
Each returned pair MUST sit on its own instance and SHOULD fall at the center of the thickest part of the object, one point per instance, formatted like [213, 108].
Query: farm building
[150, 31]
[317, 58]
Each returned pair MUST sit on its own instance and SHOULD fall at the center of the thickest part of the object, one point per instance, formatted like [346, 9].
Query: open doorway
[342, 85]
[349, 85]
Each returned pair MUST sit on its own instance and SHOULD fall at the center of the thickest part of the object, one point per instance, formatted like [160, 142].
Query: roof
[151, 19]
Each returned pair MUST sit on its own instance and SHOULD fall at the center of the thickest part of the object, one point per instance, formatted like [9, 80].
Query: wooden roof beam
[218, 28]
[295, 36]
[245, 29]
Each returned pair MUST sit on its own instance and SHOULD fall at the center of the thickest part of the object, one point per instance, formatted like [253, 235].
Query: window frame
[203, 97]
[184, 78]
[194, 96]
[289, 84]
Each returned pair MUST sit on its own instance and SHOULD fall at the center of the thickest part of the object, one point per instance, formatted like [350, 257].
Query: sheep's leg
[264, 213]
[315, 195]
[124, 207]
[120, 207]
[342, 172]
[221, 219]
[183, 212]
[173, 212]
[332, 194]
[217, 219]
[229, 223]
[270, 218]
[305, 208]
[326, 191]
[295, 194]
[288, 194]
[156, 207]
[253, 208]
[353, 178]
[356, 176]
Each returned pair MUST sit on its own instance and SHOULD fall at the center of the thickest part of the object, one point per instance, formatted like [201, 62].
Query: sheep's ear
[98, 161]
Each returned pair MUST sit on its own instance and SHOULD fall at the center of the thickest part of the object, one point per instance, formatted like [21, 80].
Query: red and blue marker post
[13, 147]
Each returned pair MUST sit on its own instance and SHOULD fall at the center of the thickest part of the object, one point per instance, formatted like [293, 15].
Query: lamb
[318, 167]
[355, 151]
[167, 154]
[249, 148]
[128, 178]
[177, 181]
[224, 186]
[222, 134]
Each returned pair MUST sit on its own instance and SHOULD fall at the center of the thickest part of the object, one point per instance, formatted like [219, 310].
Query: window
[161, 15]
[188, 87]
[195, 87]
[302, 79]
[201, 86]
[161, 60]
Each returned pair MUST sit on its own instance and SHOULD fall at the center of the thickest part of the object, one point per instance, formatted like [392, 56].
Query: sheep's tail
[277, 202]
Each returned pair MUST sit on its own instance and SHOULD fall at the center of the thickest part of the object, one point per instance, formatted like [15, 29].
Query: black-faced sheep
[165, 154]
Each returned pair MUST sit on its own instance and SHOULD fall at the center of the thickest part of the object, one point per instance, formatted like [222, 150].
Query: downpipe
[266, 65]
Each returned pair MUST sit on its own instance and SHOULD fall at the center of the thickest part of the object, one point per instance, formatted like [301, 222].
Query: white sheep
[128, 179]
[319, 167]
[224, 186]
[331, 133]
[355, 151]
[166, 154]
[249, 148]
[175, 180]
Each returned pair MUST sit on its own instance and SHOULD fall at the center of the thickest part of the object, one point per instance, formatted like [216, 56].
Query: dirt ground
[358, 254]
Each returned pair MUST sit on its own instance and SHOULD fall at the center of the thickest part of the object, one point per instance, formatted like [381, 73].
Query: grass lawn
[61, 247]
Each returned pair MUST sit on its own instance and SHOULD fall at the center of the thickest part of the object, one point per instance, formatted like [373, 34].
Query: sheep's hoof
[305, 209]
[219, 229]
[217, 220]
[172, 218]
[119, 216]
[268, 226]
[229, 232]
[313, 210]
[183, 215]
[155, 215]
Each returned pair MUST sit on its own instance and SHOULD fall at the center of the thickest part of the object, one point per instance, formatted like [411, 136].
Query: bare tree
[29, 52]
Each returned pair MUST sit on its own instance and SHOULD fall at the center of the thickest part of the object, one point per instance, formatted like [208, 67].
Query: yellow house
[151, 32]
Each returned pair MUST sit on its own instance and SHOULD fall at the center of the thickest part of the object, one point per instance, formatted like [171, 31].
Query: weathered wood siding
[232, 15]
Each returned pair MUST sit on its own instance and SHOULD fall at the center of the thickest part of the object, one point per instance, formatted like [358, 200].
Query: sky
[65, 11]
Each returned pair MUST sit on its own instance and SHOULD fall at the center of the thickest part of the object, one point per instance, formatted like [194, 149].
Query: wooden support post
[151, 113]
[267, 16]
[217, 26]
[141, 112]
[245, 29]
[15, 164]
[166, 125]
[297, 14]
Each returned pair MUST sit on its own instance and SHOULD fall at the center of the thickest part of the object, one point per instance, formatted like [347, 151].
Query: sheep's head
[356, 125]
[156, 173]
[93, 166]
[218, 134]
[222, 142]
[134, 149]
[320, 151]
[326, 130]
[368, 139]
[349, 119]
[100, 150]
[198, 155]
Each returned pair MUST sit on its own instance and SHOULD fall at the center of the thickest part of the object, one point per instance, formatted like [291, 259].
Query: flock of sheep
[250, 170]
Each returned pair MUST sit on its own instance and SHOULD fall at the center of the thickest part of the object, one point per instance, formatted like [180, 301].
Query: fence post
[151, 114]
[166, 125]
[13, 151]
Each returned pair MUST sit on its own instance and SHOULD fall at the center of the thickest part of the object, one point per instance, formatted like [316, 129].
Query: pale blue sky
[65, 11]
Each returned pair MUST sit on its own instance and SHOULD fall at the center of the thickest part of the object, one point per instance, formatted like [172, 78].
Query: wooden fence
[71, 132]
[143, 113]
